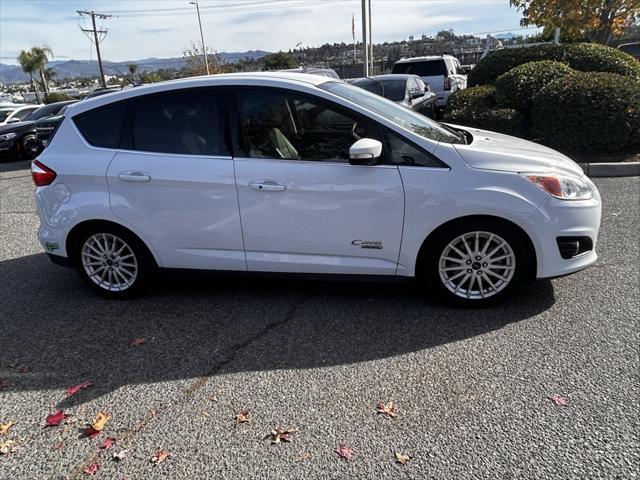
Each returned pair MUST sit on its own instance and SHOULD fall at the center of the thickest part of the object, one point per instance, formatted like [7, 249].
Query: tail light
[447, 83]
[41, 174]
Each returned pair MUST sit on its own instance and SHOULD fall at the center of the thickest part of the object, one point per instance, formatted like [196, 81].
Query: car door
[172, 179]
[303, 207]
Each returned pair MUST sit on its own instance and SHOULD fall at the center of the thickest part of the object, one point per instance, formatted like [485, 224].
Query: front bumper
[563, 218]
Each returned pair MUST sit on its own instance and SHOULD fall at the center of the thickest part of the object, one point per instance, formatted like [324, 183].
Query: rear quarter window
[101, 127]
[429, 68]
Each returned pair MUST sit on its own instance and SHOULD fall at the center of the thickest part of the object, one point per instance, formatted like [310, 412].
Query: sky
[164, 28]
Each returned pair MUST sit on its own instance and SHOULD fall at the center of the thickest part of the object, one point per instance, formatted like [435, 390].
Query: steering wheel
[353, 131]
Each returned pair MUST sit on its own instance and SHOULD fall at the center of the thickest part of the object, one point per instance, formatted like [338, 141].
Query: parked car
[98, 92]
[47, 125]
[443, 73]
[15, 114]
[295, 173]
[18, 139]
[407, 90]
[324, 72]
[632, 49]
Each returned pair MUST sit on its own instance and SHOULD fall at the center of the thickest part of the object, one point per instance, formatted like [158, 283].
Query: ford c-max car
[279, 172]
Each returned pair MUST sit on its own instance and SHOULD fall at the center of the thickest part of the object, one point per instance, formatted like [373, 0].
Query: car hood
[18, 127]
[495, 151]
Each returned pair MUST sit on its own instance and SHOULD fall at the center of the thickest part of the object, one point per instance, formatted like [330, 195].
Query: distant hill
[84, 68]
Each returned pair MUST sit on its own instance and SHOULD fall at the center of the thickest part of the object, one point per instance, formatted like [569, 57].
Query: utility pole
[204, 48]
[370, 42]
[96, 39]
[365, 48]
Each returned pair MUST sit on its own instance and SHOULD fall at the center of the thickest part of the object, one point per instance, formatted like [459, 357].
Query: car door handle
[268, 186]
[134, 176]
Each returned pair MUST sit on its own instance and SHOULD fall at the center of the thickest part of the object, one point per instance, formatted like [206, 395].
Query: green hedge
[596, 112]
[474, 98]
[502, 120]
[54, 97]
[517, 87]
[580, 56]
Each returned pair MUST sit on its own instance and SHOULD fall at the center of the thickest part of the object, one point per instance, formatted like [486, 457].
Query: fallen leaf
[57, 446]
[54, 419]
[282, 434]
[100, 420]
[160, 456]
[345, 451]
[120, 455]
[559, 399]
[107, 443]
[403, 457]
[8, 447]
[4, 427]
[92, 468]
[243, 416]
[81, 386]
[387, 408]
[136, 342]
[90, 432]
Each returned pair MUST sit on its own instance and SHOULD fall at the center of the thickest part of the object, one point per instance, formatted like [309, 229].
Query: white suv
[300, 173]
[443, 73]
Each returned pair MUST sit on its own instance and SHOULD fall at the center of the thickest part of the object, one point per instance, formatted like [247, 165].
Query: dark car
[19, 140]
[407, 90]
[632, 49]
[45, 128]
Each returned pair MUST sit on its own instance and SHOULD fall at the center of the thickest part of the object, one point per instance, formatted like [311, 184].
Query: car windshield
[45, 111]
[394, 89]
[427, 68]
[393, 112]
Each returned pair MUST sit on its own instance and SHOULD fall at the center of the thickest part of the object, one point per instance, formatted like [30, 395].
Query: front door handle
[268, 186]
[134, 176]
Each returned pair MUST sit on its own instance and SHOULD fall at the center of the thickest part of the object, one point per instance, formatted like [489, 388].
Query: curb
[622, 169]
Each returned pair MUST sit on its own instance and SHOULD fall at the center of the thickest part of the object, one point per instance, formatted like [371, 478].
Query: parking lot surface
[471, 388]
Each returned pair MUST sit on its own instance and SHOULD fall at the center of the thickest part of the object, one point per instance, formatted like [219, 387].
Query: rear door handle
[134, 176]
[268, 186]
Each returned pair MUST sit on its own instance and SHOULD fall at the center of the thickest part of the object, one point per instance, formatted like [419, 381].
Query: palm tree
[28, 64]
[41, 57]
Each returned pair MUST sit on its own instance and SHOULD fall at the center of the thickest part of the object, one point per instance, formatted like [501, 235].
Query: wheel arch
[75, 234]
[424, 248]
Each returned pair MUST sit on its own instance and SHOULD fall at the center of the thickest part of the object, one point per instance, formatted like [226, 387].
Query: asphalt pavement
[471, 388]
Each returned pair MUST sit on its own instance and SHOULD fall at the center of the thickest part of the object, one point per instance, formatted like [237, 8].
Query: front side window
[290, 126]
[100, 127]
[393, 112]
[186, 122]
[24, 113]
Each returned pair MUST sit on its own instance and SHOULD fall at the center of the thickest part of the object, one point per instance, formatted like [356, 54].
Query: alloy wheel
[109, 262]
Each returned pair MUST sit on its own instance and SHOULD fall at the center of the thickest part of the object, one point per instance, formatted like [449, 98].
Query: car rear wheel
[112, 262]
[477, 264]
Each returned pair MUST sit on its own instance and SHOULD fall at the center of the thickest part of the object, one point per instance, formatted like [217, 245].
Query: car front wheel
[113, 263]
[478, 264]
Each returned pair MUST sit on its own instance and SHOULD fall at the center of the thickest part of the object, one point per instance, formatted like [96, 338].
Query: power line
[98, 36]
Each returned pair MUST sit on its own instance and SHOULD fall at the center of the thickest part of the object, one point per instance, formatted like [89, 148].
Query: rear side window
[429, 68]
[188, 122]
[101, 127]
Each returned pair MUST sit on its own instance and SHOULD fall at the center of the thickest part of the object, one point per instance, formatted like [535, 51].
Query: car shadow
[57, 333]
[11, 165]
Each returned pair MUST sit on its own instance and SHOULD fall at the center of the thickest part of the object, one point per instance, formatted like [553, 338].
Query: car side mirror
[415, 94]
[365, 151]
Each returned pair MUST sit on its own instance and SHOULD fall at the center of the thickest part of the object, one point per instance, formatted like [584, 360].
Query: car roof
[428, 58]
[393, 76]
[249, 78]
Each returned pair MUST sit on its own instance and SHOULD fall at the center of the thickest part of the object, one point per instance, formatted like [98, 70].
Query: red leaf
[345, 451]
[136, 342]
[80, 386]
[54, 419]
[559, 399]
[90, 432]
[108, 442]
[91, 469]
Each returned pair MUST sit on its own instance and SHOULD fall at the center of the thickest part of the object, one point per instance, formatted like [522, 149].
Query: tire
[30, 147]
[122, 276]
[497, 267]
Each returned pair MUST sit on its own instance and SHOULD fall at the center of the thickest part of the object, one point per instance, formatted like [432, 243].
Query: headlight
[565, 187]
[8, 136]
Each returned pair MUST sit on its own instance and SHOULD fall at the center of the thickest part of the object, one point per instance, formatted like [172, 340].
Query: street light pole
[204, 48]
[365, 49]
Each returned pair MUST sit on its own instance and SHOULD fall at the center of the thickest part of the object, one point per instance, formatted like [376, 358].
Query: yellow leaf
[402, 458]
[100, 421]
[4, 427]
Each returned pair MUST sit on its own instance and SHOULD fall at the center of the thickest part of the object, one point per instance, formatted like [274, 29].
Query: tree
[41, 57]
[597, 20]
[278, 61]
[29, 66]
[194, 64]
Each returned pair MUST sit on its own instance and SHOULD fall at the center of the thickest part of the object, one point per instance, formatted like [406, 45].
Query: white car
[16, 113]
[278, 172]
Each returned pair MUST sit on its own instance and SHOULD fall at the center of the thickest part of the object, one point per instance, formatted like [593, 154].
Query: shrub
[516, 88]
[580, 56]
[56, 97]
[502, 120]
[474, 98]
[588, 112]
